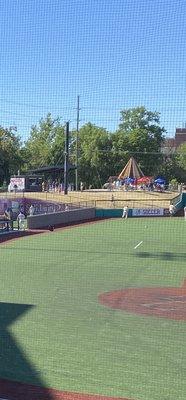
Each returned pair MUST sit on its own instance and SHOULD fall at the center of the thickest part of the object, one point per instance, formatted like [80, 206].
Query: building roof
[50, 169]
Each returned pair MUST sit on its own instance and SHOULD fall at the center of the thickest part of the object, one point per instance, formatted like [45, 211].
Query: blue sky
[115, 54]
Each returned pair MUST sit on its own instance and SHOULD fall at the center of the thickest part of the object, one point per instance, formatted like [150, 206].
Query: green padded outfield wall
[110, 213]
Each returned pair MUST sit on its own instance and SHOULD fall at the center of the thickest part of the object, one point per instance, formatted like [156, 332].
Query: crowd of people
[55, 186]
[144, 184]
[130, 186]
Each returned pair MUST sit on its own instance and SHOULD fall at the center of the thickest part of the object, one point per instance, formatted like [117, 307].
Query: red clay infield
[165, 302]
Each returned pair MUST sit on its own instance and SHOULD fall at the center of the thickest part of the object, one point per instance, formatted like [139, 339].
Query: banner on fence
[147, 212]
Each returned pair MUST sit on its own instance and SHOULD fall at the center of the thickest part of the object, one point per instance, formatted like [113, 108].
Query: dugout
[55, 172]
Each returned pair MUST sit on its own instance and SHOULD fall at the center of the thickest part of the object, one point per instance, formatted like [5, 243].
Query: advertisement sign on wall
[17, 184]
[147, 212]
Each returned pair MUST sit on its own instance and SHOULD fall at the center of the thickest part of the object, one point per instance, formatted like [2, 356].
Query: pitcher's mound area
[166, 302]
[19, 391]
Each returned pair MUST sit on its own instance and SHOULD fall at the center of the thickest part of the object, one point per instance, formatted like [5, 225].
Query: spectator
[81, 186]
[112, 200]
[7, 214]
[31, 210]
[11, 217]
[15, 188]
[21, 221]
[8, 217]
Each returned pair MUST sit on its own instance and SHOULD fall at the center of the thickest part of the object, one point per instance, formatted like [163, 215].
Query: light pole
[77, 139]
[66, 166]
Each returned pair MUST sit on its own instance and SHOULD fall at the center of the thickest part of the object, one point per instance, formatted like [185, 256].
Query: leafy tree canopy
[94, 151]
[10, 154]
[138, 118]
[141, 136]
[45, 145]
[100, 153]
[181, 156]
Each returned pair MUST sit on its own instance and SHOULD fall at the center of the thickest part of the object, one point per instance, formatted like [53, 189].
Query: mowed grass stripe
[75, 343]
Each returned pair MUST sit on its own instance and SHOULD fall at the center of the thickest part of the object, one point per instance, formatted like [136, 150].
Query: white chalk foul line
[139, 244]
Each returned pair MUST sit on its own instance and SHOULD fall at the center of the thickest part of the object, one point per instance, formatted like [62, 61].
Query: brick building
[171, 144]
[180, 136]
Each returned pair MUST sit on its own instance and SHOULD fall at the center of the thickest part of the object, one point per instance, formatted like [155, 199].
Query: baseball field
[95, 311]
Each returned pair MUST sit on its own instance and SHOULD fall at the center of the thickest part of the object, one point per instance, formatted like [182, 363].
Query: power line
[33, 105]
[101, 108]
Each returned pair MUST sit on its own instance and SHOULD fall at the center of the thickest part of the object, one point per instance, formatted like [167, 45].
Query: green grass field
[70, 340]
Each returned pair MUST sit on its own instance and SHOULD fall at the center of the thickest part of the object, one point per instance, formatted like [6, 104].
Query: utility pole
[66, 166]
[77, 139]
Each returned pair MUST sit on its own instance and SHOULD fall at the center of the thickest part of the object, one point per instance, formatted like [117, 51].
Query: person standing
[66, 207]
[171, 210]
[113, 201]
[21, 221]
[125, 212]
[7, 214]
[7, 219]
[31, 210]
[184, 212]
[81, 186]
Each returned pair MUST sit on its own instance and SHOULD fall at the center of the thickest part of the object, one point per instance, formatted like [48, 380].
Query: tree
[94, 154]
[120, 152]
[141, 136]
[10, 154]
[138, 118]
[181, 157]
[45, 145]
[169, 168]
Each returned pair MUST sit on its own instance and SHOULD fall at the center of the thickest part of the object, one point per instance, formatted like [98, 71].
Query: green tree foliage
[120, 153]
[45, 145]
[174, 165]
[10, 155]
[94, 155]
[140, 136]
[170, 169]
[181, 157]
[102, 154]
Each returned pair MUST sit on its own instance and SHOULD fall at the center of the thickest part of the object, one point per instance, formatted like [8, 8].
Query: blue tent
[160, 181]
[128, 180]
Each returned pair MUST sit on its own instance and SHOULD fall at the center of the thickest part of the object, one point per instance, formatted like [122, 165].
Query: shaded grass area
[72, 341]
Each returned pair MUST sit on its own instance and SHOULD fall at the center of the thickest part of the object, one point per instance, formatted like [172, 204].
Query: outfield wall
[60, 218]
[179, 203]
[110, 213]
[184, 199]
[133, 212]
